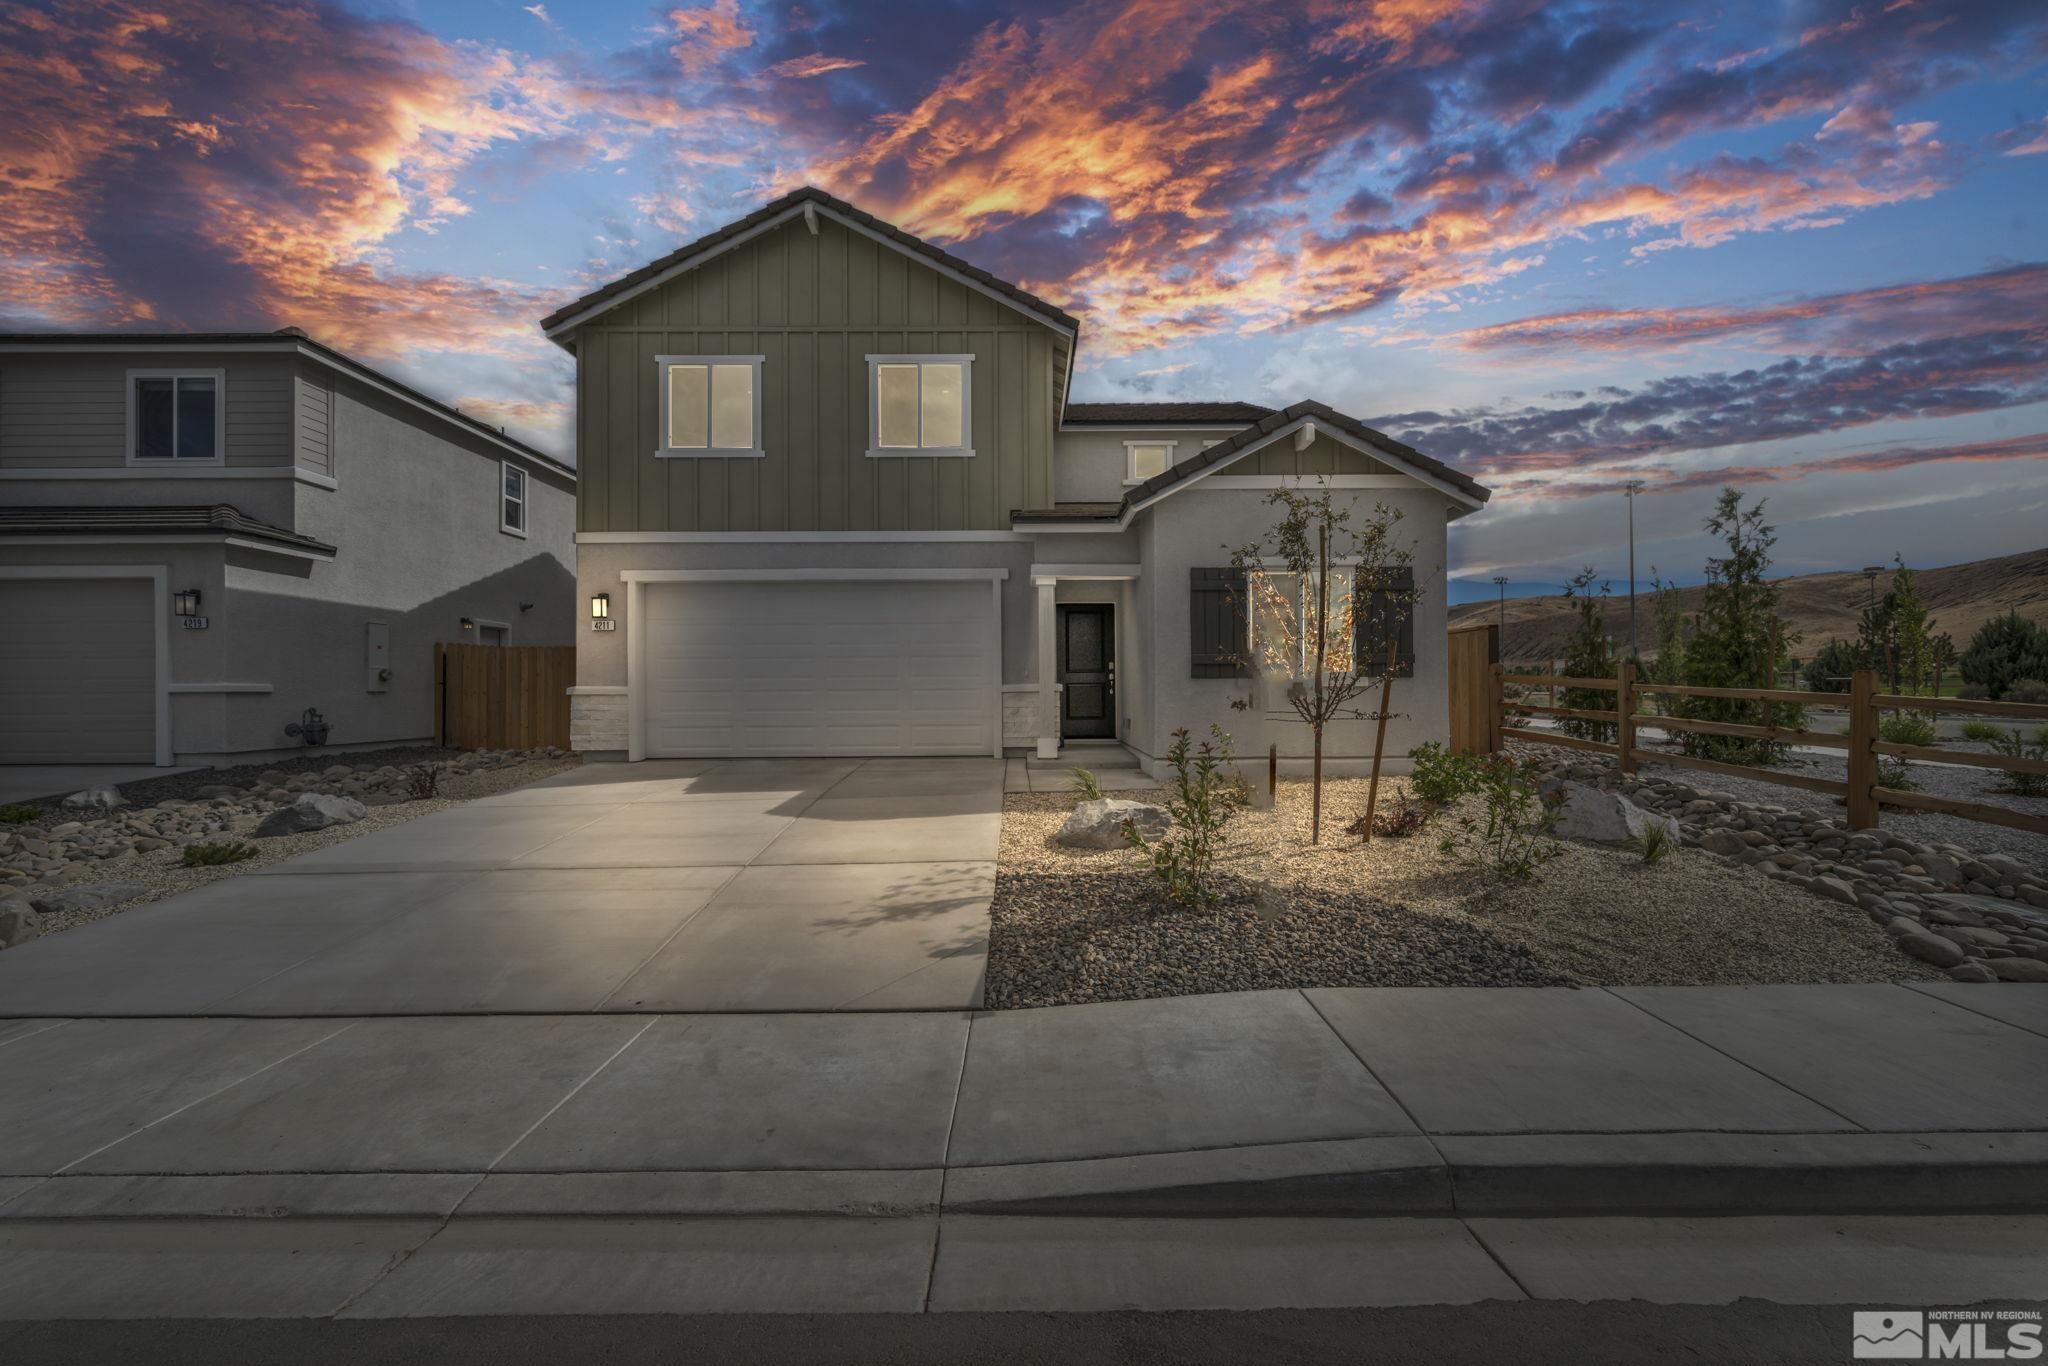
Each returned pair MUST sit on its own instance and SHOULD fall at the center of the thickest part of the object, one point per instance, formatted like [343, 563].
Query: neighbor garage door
[77, 671]
[836, 667]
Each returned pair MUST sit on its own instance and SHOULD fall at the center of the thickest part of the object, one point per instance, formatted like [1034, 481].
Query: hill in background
[1959, 598]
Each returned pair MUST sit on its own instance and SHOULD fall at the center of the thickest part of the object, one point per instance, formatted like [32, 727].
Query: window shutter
[1216, 622]
[1389, 614]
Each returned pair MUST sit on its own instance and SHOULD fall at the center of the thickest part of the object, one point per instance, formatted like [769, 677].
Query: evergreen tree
[1588, 655]
[1891, 635]
[1732, 637]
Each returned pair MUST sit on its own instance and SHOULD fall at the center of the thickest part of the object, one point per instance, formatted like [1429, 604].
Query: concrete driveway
[662, 886]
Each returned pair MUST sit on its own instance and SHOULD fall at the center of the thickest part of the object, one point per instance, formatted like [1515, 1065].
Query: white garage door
[78, 671]
[819, 667]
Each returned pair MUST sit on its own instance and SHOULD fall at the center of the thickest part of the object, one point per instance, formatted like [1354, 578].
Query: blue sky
[1798, 248]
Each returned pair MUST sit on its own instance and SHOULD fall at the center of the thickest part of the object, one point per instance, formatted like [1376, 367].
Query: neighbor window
[1143, 459]
[173, 416]
[710, 405]
[920, 405]
[512, 517]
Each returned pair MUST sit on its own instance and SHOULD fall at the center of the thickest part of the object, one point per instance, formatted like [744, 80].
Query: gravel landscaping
[1073, 925]
[71, 867]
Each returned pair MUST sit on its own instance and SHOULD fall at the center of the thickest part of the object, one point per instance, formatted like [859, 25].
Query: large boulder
[311, 811]
[101, 798]
[86, 896]
[17, 923]
[1600, 817]
[1099, 824]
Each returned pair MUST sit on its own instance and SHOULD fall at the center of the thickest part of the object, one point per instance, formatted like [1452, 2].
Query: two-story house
[202, 536]
[835, 501]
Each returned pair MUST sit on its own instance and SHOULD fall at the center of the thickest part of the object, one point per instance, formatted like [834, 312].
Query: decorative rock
[17, 923]
[1972, 972]
[101, 798]
[1723, 842]
[1932, 948]
[311, 811]
[2018, 969]
[89, 896]
[1835, 889]
[1602, 817]
[1099, 824]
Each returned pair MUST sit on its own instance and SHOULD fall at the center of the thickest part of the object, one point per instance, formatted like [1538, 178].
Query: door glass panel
[689, 406]
[1084, 643]
[942, 405]
[896, 406]
[732, 407]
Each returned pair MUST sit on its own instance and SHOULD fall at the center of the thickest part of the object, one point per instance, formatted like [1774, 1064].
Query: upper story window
[920, 405]
[710, 405]
[175, 415]
[512, 499]
[1143, 459]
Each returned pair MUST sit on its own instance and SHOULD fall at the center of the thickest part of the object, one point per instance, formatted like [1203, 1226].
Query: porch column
[1048, 671]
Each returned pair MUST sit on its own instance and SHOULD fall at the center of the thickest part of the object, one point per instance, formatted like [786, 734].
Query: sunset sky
[1802, 248]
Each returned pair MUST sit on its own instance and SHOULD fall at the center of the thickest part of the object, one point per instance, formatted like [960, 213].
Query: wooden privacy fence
[1475, 720]
[502, 696]
[1862, 791]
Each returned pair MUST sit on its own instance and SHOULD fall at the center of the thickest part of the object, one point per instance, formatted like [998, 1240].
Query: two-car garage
[731, 664]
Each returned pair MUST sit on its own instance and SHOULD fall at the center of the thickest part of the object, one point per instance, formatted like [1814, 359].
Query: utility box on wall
[377, 657]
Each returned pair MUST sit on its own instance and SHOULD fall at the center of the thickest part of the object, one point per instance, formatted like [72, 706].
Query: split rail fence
[1863, 792]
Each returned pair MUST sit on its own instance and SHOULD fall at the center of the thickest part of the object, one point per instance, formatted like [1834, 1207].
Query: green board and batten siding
[815, 307]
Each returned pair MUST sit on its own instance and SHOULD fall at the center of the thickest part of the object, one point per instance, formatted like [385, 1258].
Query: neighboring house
[834, 500]
[204, 535]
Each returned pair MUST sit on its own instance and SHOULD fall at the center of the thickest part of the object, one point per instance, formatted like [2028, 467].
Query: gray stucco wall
[1186, 531]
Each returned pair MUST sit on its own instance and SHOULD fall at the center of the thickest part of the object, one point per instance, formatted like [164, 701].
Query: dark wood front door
[1088, 671]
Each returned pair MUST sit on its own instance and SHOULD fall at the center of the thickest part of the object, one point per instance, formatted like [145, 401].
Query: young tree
[1588, 655]
[1734, 636]
[1892, 632]
[1308, 578]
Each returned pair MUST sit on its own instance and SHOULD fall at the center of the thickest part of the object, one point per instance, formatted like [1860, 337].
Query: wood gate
[502, 696]
[1475, 720]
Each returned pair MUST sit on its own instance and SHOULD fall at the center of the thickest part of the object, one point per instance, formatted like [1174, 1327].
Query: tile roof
[216, 519]
[782, 204]
[1188, 413]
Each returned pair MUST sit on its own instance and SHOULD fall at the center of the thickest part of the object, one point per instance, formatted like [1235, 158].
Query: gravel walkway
[163, 874]
[1081, 925]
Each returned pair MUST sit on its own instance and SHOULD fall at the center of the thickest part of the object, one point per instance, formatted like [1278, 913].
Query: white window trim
[525, 504]
[1131, 475]
[667, 452]
[220, 420]
[877, 451]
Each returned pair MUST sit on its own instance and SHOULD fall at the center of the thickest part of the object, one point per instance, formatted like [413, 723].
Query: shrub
[1830, 667]
[1514, 840]
[1441, 777]
[2013, 745]
[1894, 772]
[422, 781]
[1982, 732]
[2005, 650]
[1084, 786]
[1908, 728]
[1653, 844]
[1202, 796]
[212, 855]
[1407, 818]
[1972, 692]
[2027, 690]
[15, 813]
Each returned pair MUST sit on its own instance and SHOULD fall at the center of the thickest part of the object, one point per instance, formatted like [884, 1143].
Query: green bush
[2016, 746]
[2005, 650]
[1202, 796]
[1514, 840]
[2032, 690]
[1830, 667]
[1982, 732]
[1894, 772]
[1084, 786]
[1908, 728]
[212, 855]
[1441, 777]
[17, 813]
[1653, 844]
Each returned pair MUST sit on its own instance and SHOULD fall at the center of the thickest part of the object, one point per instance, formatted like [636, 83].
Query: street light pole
[1500, 581]
[1632, 487]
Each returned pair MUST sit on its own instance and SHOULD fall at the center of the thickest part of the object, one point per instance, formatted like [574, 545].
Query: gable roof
[684, 257]
[286, 339]
[1189, 413]
[1381, 446]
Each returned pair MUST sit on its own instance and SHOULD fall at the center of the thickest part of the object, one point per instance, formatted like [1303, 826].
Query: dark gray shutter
[1388, 614]
[1216, 622]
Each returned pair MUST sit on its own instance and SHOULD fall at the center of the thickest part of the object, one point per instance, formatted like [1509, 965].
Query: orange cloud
[706, 35]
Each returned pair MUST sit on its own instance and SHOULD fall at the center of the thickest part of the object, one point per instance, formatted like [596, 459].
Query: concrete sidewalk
[1381, 1102]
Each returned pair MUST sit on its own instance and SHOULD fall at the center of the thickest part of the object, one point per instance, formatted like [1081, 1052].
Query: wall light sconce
[601, 606]
[468, 625]
[187, 602]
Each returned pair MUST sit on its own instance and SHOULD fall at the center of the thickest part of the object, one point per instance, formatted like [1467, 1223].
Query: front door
[1088, 671]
